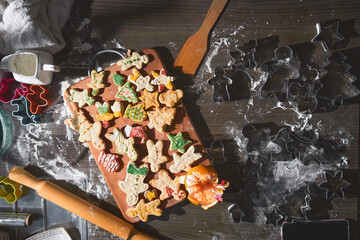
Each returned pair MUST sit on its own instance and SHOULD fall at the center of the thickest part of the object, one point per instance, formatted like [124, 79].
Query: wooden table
[166, 25]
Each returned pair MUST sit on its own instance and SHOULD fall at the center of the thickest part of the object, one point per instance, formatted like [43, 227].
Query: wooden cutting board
[181, 123]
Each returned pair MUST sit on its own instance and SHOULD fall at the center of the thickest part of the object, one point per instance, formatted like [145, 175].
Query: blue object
[6, 132]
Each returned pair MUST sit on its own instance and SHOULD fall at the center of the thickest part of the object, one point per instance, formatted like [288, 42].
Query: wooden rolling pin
[78, 206]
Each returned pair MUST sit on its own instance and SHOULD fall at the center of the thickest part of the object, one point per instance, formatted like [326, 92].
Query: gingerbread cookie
[184, 162]
[162, 80]
[170, 98]
[136, 113]
[88, 132]
[81, 98]
[168, 186]
[135, 59]
[109, 161]
[155, 156]
[134, 182]
[118, 79]
[126, 93]
[143, 210]
[150, 194]
[138, 133]
[117, 108]
[150, 99]
[140, 81]
[104, 113]
[178, 142]
[96, 82]
[123, 145]
[161, 117]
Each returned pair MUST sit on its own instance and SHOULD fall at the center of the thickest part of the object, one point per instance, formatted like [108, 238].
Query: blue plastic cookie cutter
[23, 112]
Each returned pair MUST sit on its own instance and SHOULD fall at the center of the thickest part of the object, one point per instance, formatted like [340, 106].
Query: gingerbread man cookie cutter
[5, 85]
[37, 97]
[9, 190]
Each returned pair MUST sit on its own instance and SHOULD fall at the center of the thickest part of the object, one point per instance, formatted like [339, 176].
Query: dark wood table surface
[165, 26]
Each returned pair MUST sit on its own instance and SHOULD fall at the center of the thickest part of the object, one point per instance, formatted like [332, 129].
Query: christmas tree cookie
[127, 93]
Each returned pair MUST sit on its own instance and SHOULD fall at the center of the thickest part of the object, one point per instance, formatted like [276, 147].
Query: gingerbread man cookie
[88, 132]
[123, 145]
[140, 81]
[134, 182]
[150, 99]
[96, 82]
[135, 59]
[155, 156]
[168, 186]
[184, 162]
[162, 80]
[161, 117]
[143, 210]
[81, 98]
[170, 98]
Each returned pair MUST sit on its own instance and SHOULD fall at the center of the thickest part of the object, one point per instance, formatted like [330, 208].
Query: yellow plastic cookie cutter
[9, 190]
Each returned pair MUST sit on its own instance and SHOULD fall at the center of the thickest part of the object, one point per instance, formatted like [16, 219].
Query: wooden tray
[181, 123]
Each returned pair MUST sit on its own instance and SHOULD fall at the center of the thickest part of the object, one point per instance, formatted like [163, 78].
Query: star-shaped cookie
[178, 142]
[140, 81]
[168, 186]
[183, 162]
[155, 156]
[143, 210]
[150, 99]
[161, 117]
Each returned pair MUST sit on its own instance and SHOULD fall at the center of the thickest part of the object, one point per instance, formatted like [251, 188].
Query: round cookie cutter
[6, 132]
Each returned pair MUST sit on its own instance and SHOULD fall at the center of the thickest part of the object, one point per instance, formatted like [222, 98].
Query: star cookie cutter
[9, 190]
[273, 217]
[337, 83]
[328, 35]
[5, 87]
[23, 112]
[334, 185]
[220, 85]
[37, 97]
[280, 70]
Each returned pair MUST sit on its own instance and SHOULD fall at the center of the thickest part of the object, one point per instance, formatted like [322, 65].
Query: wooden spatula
[196, 46]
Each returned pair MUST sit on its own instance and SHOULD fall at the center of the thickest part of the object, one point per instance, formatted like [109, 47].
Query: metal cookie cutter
[243, 56]
[281, 69]
[10, 190]
[220, 85]
[37, 98]
[23, 112]
[334, 185]
[338, 81]
[5, 87]
[328, 35]
[216, 153]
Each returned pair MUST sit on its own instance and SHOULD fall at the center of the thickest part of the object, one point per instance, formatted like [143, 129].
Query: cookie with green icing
[127, 93]
[178, 142]
[123, 145]
[134, 182]
[136, 113]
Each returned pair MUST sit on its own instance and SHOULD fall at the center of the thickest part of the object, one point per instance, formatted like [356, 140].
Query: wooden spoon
[196, 46]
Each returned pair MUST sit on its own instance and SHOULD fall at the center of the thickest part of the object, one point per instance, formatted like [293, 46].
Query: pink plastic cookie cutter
[8, 87]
